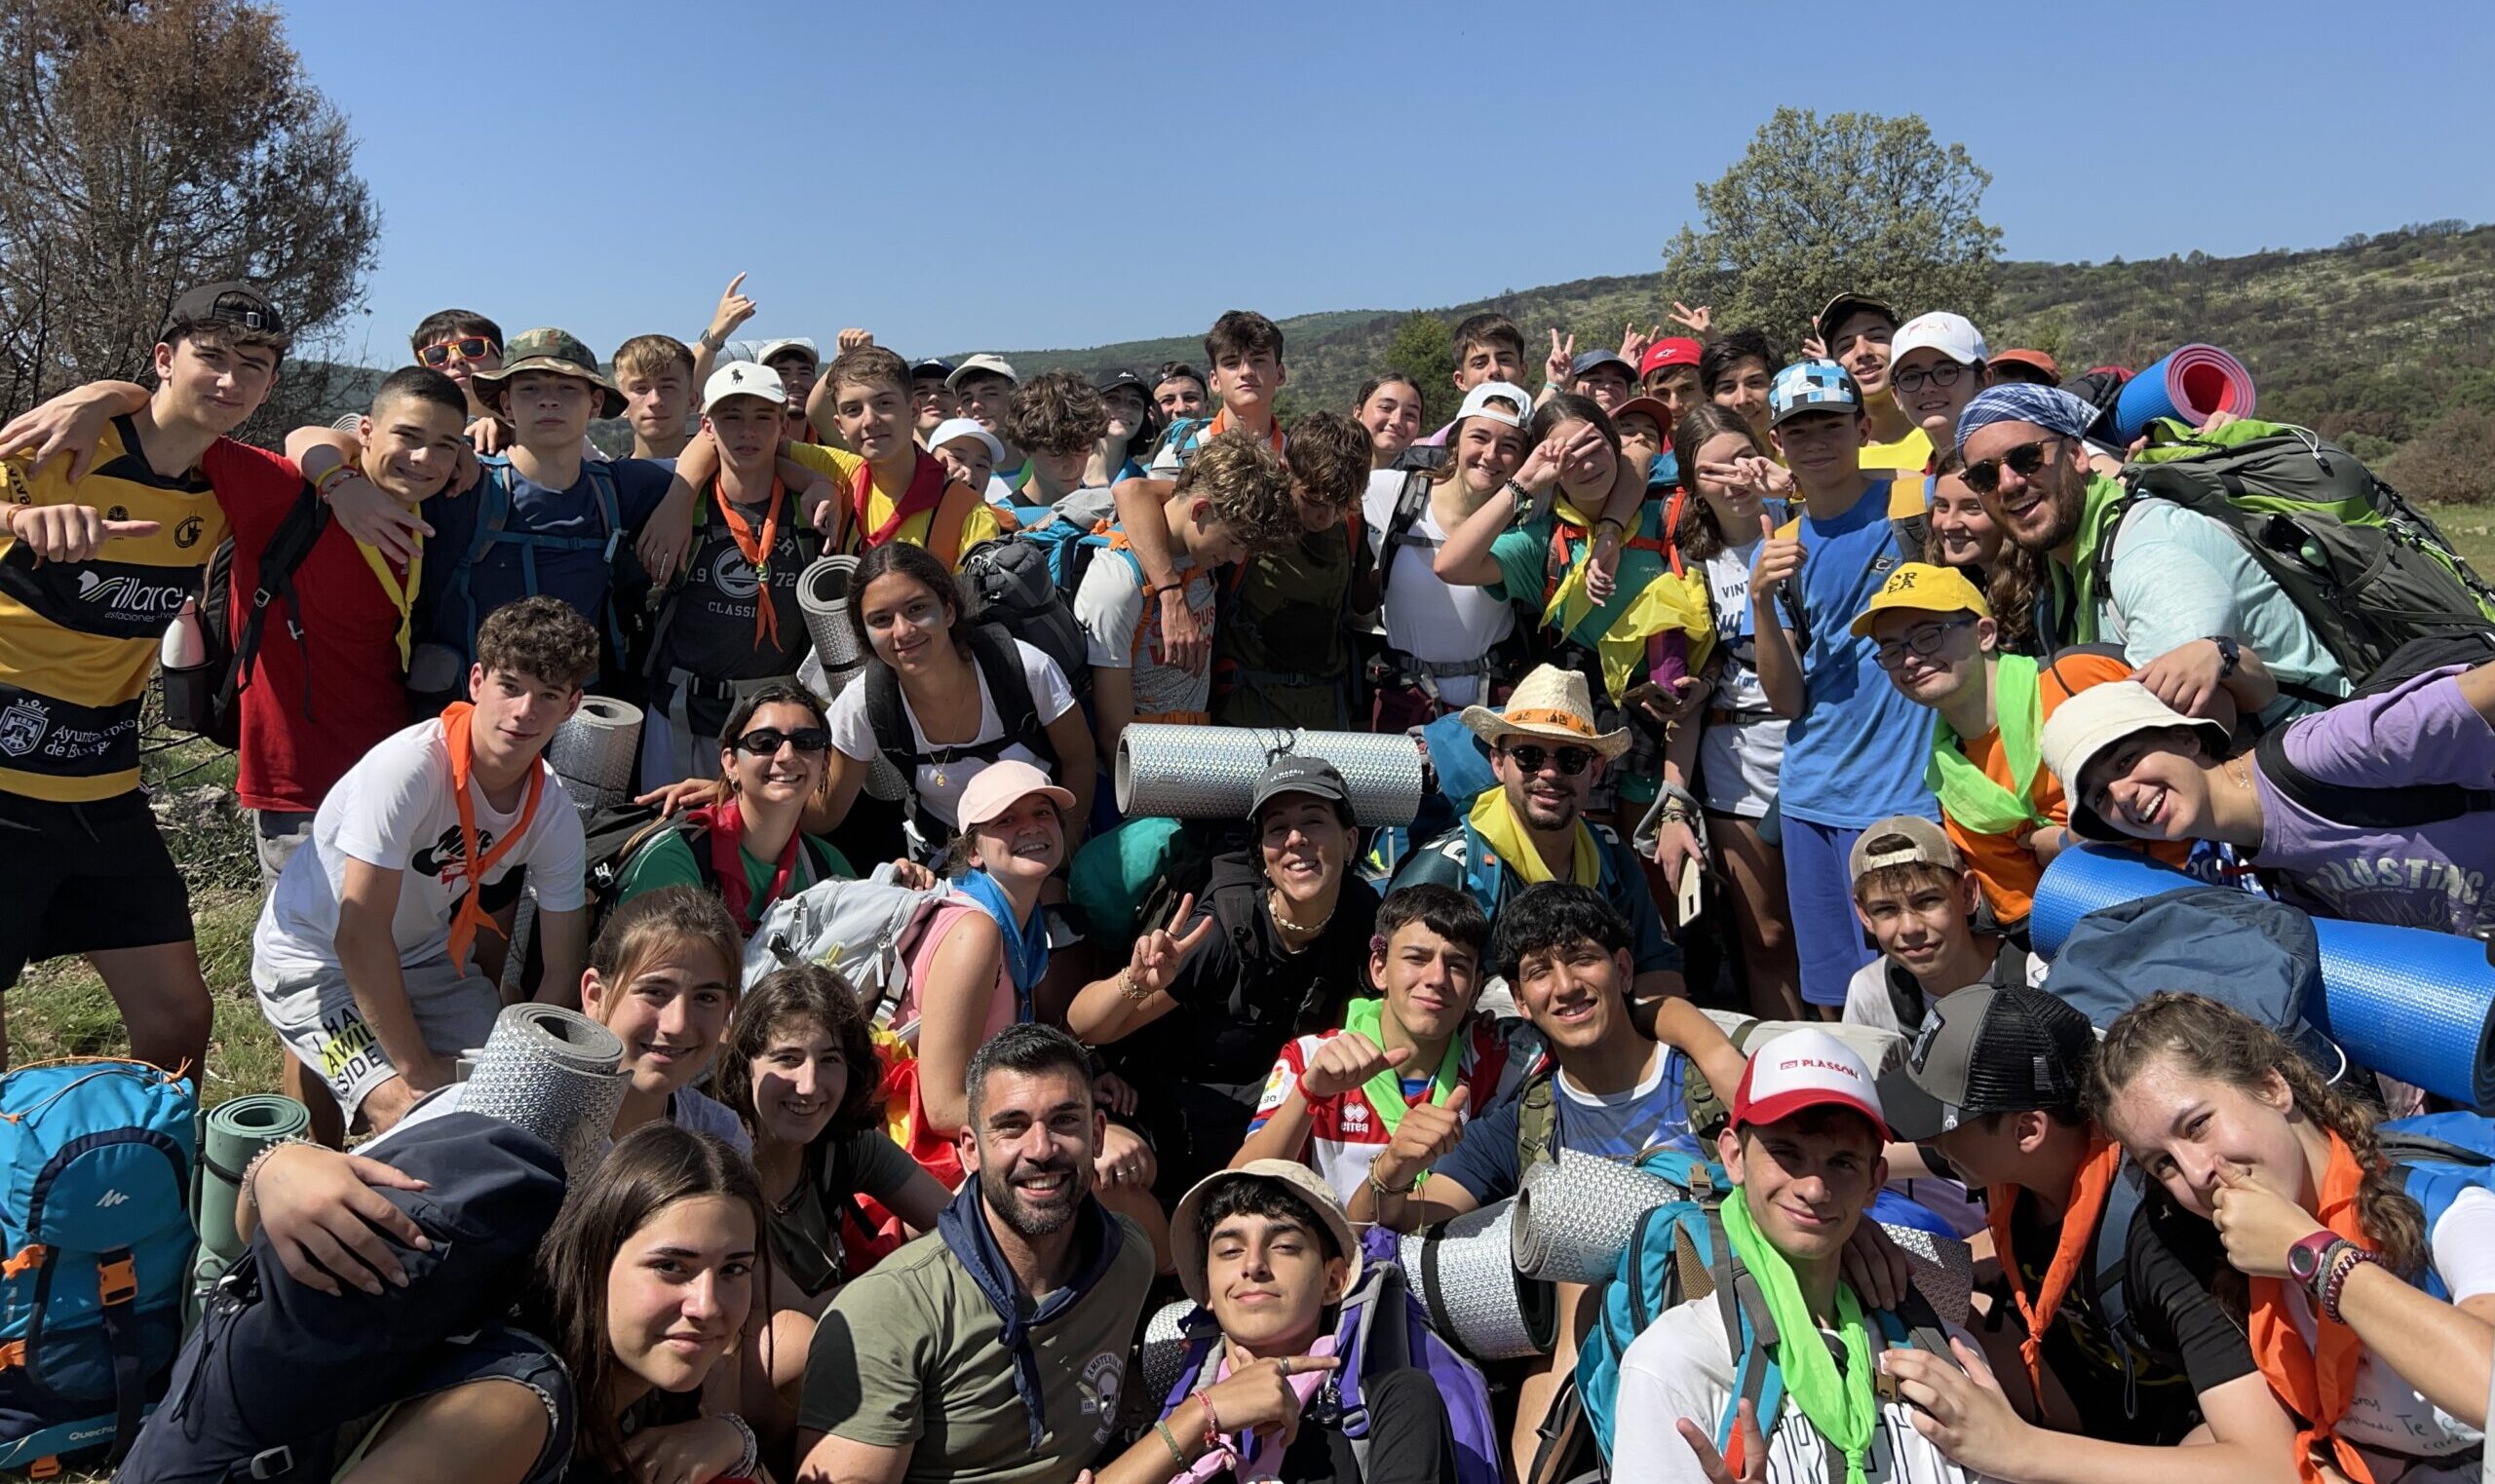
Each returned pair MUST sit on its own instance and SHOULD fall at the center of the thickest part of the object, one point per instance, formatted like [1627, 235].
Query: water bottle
[185, 642]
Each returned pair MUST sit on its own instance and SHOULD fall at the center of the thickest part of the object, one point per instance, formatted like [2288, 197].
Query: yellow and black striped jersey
[78, 639]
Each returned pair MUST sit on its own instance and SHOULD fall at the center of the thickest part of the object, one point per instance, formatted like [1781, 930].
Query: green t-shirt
[667, 861]
[911, 1355]
[805, 1235]
[1523, 555]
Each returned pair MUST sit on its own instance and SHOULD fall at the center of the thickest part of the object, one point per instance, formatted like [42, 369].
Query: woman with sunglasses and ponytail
[749, 846]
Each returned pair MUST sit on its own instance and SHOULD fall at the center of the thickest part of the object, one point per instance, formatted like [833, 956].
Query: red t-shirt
[293, 750]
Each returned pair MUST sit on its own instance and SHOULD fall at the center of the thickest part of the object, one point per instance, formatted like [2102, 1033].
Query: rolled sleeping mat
[2188, 385]
[823, 596]
[523, 930]
[2407, 1002]
[594, 752]
[238, 1129]
[1576, 1214]
[1210, 773]
[1469, 1287]
[1164, 1353]
[554, 1072]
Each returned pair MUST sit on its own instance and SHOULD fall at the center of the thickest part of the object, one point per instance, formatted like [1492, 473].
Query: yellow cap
[1922, 588]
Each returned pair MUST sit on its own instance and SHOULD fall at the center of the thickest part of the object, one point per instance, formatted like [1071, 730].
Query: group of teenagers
[1767, 683]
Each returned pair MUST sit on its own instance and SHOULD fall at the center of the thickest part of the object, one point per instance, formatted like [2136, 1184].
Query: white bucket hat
[2096, 718]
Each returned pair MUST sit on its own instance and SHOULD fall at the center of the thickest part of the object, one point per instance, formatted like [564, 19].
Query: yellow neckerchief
[402, 593]
[1495, 821]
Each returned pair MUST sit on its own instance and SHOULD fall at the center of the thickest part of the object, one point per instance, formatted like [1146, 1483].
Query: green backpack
[2366, 569]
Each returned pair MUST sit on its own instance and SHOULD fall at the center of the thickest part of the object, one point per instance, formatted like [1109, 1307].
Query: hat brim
[2085, 821]
[1060, 797]
[1914, 1115]
[1652, 406]
[611, 403]
[1783, 1105]
[1186, 1223]
[1489, 726]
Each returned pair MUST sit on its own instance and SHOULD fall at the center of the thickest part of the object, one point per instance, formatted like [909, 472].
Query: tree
[1814, 208]
[1424, 349]
[149, 145]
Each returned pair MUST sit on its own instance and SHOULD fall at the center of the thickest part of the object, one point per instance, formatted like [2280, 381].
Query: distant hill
[2371, 342]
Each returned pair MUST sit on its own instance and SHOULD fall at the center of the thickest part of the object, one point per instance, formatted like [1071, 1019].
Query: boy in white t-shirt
[1328, 1100]
[364, 956]
[1803, 1150]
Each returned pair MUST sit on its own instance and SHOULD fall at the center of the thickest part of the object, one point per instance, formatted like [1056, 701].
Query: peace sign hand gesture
[1559, 368]
[1696, 319]
[1153, 966]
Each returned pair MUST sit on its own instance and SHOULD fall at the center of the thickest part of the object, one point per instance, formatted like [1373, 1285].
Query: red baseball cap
[1806, 1069]
[1674, 350]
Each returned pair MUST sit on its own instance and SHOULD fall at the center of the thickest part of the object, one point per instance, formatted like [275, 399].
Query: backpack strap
[945, 526]
[2407, 806]
[993, 650]
[283, 556]
[889, 720]
[1411, 502]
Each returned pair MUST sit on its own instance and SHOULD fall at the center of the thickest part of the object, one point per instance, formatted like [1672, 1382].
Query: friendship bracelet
[1213, 1422]
[337, 475]
[2349, 1261]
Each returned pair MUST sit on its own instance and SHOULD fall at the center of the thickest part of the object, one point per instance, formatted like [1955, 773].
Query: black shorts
[83, 877]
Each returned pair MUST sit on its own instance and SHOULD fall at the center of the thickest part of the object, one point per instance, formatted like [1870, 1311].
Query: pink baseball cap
[1806, 1069]
[1671, 350]
[998, 784]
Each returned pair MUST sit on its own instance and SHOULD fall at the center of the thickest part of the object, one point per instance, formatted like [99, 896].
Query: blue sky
[1066, 175]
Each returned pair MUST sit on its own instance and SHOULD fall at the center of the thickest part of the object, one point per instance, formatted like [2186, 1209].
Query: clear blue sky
[1062, 174]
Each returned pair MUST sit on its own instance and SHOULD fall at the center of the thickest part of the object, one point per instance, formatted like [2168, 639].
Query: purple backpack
[1381, 1327]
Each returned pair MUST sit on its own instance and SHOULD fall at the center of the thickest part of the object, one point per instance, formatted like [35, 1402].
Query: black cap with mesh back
[233, 302]
[1988, 1049]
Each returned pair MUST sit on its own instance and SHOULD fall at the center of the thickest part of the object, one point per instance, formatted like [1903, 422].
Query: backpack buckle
[33, 1254]
[270, 1462]
[12, 1355]
[116, 1281]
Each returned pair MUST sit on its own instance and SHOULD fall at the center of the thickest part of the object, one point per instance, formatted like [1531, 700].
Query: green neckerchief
[2096, 512]
[1968, 794]
[1385, 1090]
[1841, 1404]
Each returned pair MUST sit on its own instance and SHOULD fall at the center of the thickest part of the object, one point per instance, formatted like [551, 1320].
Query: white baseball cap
[765, 349]
[1806, 1069]
[1476, 403]
[1952, 335]
[953, 427]
[993, 365]
[743, 378]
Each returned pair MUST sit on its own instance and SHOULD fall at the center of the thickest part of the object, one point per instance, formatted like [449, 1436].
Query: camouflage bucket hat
[551, 350]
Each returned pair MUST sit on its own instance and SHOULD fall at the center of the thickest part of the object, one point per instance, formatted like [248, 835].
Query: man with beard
[992, 1350]
[2185, 601]
[1548, 757]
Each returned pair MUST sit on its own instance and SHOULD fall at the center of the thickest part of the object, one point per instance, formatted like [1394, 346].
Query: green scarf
[1968, 794]
[1842, 1405]
[2095, 520]
[1385, 1090]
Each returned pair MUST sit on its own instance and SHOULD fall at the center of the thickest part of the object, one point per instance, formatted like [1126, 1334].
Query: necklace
[1290, 928]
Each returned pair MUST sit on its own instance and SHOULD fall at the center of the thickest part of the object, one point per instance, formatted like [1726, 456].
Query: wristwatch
[2310, 1258]
[2230, 655]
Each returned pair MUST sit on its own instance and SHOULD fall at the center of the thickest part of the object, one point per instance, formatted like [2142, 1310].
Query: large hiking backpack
[96, 1166]
[493, 515]
[865, 929]
[207, 699]
[1017, 716]
[2368, 570]
[1380, 1327]
[1023, 584]
[2408, 805]
[2438, 1155]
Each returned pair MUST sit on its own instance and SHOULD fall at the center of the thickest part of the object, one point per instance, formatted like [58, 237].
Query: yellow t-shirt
[840, 467]
[1911, 455]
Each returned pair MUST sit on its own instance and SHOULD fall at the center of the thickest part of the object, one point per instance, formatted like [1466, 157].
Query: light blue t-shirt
[1855, 754]
[2178, 576]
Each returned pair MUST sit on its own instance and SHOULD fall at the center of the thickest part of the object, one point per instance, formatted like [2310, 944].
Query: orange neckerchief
[1220, 425]
[456, 718]
[927, 481]
[2316, 1384]
[757, 556]
[2087, 1205]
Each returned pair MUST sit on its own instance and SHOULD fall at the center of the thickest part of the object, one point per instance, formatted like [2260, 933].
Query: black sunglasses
[762, 742]
[1571, 760]
[1983, 476]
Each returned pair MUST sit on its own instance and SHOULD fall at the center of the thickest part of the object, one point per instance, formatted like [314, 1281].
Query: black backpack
[615, 834]
[2408, 805]
[1024, 583]
[1017, 716]
[206, 698]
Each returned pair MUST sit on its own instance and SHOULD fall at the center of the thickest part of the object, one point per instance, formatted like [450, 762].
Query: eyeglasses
[1944, 375]
[1924, 640]
[1571, 760]
[762, 742]
[1983, 476]
[466, 347]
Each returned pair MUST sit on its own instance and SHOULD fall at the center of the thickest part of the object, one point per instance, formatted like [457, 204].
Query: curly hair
[1696, 536]
[1329, 456]
[1056, 412]
[1249, 487]
[799, 996]
[2224, 1044]
[542, 637]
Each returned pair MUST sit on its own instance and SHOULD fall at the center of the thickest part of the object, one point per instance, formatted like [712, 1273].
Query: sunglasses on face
[762, 742]
[1924, 640]
[1942, 377]
[1983, 476]
[1571, 760]
[466, 347]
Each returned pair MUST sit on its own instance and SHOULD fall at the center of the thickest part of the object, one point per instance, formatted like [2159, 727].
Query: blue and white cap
[1812, 386]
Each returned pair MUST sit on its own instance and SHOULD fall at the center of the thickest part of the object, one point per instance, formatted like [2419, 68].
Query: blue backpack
[493, 517]
[2438, 1155]
[1381, 1327]
[96, 1166]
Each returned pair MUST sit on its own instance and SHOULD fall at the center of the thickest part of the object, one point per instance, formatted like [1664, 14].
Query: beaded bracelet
[2350, 1258]
[742, 1467]
[246, 1188]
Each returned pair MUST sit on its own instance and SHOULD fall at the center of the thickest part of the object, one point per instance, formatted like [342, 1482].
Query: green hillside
[2373, 342]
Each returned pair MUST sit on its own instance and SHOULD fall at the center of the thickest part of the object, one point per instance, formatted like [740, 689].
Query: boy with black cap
[2094, 1301]
[1856, 331]
[932, 402]
[1130, 428]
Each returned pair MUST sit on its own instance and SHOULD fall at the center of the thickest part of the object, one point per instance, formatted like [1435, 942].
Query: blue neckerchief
[1097, 1240]
[1027, 944]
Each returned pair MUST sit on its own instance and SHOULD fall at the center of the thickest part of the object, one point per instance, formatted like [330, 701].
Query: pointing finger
[132, 527]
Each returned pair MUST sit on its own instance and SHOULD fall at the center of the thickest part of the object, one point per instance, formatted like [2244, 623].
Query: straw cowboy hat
[1552, 704]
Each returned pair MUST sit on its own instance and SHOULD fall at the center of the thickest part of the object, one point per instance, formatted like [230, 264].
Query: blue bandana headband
[2048, 407]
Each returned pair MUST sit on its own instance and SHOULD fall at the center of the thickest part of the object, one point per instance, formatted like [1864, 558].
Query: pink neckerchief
[1265, 1455]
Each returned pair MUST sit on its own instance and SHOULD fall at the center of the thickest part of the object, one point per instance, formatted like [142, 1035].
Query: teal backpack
[95, 1165]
